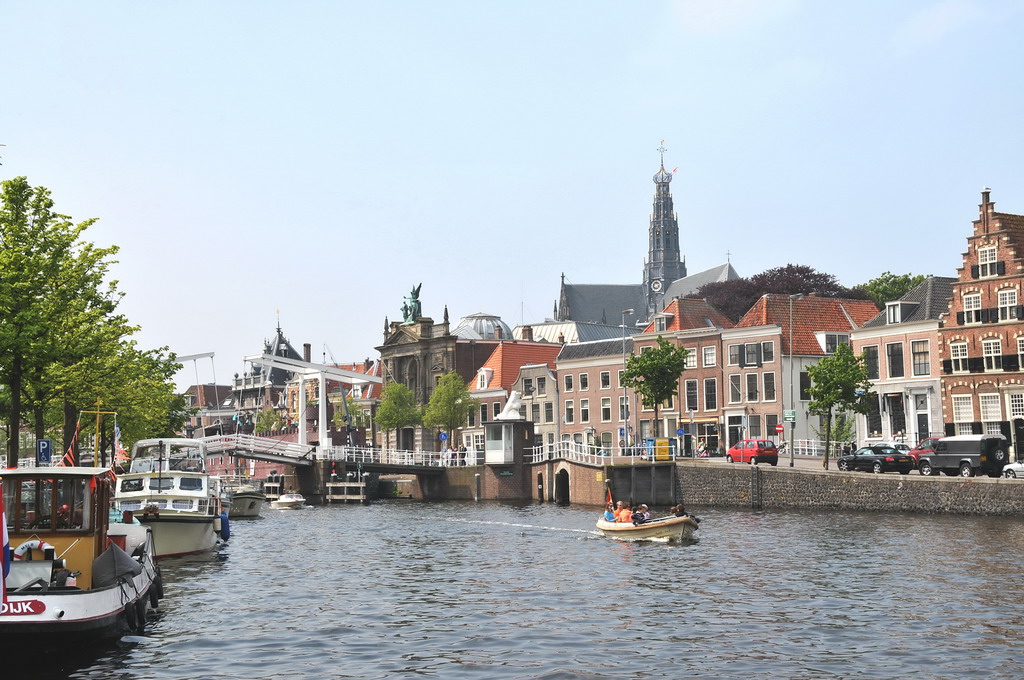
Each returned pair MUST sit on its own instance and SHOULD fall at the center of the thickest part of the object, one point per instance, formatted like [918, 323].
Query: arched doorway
[562, 487]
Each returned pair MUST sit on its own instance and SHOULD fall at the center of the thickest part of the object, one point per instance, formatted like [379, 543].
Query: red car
[926, 446]
[753, 451]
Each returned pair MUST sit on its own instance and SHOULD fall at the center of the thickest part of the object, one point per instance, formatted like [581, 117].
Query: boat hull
[246, 504]
[667, 529]
[180, 534]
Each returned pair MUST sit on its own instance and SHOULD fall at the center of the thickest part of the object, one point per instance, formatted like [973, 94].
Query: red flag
[609, 488]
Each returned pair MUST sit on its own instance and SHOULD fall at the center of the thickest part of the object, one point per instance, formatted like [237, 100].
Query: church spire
[663, 264]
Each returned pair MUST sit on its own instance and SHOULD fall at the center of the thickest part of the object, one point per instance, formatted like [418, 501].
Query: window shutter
[950, 429]
[1020, 312]
[959, 318]
[743, 356]
[977, 428]
[1011, 362]
[976, 364]
[1000, 268]
[974, 271]
[1004, 428]
[760, 355]
[993, 315]
[947, 365]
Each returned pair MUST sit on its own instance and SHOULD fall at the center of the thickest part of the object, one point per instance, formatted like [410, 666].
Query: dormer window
[483, 378]
[892, 312]
[661, 322]
[987, 265]
[830, 341]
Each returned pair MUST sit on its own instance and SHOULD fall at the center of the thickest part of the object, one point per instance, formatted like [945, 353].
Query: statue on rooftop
[411, 308]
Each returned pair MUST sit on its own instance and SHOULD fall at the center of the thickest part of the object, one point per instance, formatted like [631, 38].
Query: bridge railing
[590, 454]
[356, 454]
[248, 442]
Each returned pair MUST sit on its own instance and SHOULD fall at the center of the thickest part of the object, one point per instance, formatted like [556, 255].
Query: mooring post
[476, 493]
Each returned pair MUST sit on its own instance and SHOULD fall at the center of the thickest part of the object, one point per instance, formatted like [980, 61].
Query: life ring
[19, 552]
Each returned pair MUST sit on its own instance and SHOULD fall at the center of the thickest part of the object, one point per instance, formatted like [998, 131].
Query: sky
[307, 163]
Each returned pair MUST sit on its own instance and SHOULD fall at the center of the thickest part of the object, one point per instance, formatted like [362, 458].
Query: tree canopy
[397, 408]
[449, 405]
[889, 287]
[839, 383]
[654, 374]
[734, 298]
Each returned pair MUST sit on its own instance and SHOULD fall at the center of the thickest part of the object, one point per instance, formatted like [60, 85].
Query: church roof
[811, 314]
[511, 355]
[482, 326]
[603, 303]
[689, 284]
[574, 331]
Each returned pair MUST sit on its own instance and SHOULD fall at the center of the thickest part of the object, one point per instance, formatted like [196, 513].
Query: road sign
[44, 451]
[680, 432]
[443, 436]
[789, 415]
[778, 428]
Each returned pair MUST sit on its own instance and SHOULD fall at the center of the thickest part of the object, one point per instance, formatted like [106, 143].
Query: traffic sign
[443, 436]
[680, 432]
[44, 451]
[789, 415]
[778, 428]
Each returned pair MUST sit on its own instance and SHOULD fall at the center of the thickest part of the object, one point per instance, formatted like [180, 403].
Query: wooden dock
[345, 492]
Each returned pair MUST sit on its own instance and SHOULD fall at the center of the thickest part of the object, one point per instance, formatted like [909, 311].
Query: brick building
[982, 339]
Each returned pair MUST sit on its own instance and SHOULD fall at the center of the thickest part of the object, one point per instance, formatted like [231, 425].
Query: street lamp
[624, 412]
[792, 402]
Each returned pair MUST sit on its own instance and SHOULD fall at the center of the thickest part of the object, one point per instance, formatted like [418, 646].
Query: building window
[584, 381]
[734, 354]
[751, 386]
[584, 410]
[471, 418]
[570, 414]
[606, 409]
[527, 387]
[549, 412]
[735, 393]
[1017, 405]
[535, 412]
[972, 308]
[833, 340]
[660, 324]
[691, 358]
[963, 413]
[771, 421]
[987, 262]
[568, 382]
[754, 425]
[606, 380]
[542, 386]
[483, 413]
[874, 417]
[769, 387]
[767, 351]
[958, 353]
[691, 395]
[805, 386]
[621, 371]
[623, 408]
[871, 361]
[992, 350]
[750, 357]
[919, 357]
[894, 355]
[496, 408]
[1007, 304]
[709, 355]
[710, 394]
[990, 416]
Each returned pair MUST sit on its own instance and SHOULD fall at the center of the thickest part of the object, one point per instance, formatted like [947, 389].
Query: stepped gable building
[783, 335]
[663, 270]
[260, 388]
[418, 352]
[982, 339]
[900, 348]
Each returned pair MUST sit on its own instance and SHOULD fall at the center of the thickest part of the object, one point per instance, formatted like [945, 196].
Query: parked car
[878, 459]
[966, 455]
[923, 446]
[753, 451]
[1014, 470]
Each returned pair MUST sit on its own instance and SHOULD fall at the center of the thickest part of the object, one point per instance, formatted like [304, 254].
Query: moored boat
[75, 578]
[245, 500]
[168, 489]
[288, 501]
[662, 529]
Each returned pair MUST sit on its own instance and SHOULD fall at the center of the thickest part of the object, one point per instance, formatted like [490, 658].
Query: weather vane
[662, 150]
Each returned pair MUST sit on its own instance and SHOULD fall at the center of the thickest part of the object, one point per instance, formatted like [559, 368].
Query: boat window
[161, 483]
[190, 484]
[72, 503]
[10, 504]
[131, 485]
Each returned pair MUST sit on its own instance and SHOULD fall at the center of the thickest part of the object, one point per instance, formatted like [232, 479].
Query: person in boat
[623, 513]
[609, 512]
[678, 510]
[641, 514]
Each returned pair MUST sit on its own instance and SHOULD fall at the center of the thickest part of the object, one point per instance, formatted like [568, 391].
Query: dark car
[878, 459]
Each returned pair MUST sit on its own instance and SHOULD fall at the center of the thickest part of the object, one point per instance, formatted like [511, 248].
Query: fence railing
[358, 454]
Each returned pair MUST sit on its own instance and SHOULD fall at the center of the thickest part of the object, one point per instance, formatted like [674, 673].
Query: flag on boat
[119, 452]
[609, 488]
[7, 549]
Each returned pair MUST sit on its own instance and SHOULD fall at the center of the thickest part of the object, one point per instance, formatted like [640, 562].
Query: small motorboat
[241, 497]
[662, 529]
[75, 578]
[288, 501]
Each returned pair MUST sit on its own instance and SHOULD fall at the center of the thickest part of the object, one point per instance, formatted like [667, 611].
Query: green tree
[397, 409]
[654, 374]
[889, 287]
[267, 420]
[839, 383]
[449, 405]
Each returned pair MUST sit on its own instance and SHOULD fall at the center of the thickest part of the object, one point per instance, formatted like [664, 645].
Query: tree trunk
[14, 417]
[70, 428]
[828, 436]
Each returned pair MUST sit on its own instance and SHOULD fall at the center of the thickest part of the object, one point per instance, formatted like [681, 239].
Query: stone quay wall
[765, 487]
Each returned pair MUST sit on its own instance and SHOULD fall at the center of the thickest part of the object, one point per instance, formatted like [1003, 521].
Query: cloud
[931, 25]
[718, 17]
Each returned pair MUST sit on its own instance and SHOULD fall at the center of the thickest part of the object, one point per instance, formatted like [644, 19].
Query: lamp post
[792, 401]
[624, 412]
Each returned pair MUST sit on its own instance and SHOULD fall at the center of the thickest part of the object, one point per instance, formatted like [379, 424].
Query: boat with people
[74, 578]
[671, 528]
[168, 489]
[242, 497]
[288, 501]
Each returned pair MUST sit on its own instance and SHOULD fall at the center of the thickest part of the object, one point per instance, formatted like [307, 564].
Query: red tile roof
[509, 356]
[811, 314]
[690, 313]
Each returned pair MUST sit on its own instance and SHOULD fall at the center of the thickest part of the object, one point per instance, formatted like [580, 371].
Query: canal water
[462, 590]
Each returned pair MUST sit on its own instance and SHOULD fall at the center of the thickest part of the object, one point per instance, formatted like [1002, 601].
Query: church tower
[663, 264]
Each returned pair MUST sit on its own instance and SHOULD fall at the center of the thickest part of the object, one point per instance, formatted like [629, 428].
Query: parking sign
[44, 451]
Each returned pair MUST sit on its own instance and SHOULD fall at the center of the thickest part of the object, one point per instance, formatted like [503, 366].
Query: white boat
[663, 529]
[168, 489]
[244, 499]
[288, 501]
[78, 578]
